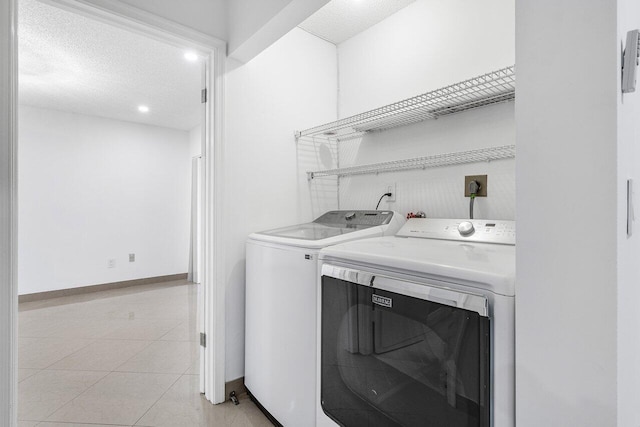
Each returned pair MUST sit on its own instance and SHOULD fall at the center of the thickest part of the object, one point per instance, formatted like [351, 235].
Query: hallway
[120, 357]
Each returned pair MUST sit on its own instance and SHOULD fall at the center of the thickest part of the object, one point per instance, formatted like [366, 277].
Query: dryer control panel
[473, 230]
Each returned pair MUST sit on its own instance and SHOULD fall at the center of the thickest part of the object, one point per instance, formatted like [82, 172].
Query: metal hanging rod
[491, 88]
[438, 160]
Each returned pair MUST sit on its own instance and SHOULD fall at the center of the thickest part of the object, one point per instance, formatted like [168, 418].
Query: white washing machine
[280, 340]
[418, 329]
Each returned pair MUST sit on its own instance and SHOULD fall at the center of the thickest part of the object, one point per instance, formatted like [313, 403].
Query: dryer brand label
[383, 301]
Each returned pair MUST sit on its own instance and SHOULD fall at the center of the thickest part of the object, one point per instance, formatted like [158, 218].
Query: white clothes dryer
[418, 329]
[280, 338]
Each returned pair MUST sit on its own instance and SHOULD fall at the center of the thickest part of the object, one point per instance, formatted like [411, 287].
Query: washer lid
[333, 227]
[313, 231]
[480, 265]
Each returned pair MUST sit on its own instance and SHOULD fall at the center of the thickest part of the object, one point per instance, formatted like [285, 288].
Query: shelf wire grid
[438, 160]
[491, 88]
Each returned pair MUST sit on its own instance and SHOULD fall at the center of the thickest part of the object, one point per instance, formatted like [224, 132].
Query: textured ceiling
[340, 20]
[71, 63]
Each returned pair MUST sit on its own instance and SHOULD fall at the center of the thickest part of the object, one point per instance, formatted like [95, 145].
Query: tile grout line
[157, 400]
[71, 401]
[75, 370]
[107, 373]
[171, 330]
[74, 423]
[73, 398]
[141, 350]
[34, 374]
[150, 372]
[71, 354]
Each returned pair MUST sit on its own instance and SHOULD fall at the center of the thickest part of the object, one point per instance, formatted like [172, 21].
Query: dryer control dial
[466, 228]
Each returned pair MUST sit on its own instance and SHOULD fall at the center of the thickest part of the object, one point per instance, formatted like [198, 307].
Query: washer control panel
[473, 230]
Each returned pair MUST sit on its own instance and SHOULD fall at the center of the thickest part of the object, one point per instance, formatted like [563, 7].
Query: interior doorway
[109, 121]
[209, 50]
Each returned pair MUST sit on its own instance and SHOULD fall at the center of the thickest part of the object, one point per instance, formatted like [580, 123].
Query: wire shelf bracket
[438, 160]
[487, 89]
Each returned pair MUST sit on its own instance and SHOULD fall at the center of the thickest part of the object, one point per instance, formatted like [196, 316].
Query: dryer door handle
[428, 290]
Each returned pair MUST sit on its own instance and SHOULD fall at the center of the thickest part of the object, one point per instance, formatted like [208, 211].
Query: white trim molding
[8, 212]
[133, 19]
[214, 259]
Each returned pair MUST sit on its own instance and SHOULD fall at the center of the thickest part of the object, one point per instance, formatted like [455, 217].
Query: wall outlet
[390, 188]
[482, 180]
[111, 263]
[132, 257]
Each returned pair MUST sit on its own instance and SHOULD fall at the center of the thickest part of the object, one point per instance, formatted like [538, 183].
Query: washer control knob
[350, 216]
[466, 228]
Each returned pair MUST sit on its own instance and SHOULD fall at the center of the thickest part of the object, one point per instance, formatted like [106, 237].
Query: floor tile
[186, 331]
[149, 328]
[253, 417]
[194, 369]
[119, 398]
[70, 327]
[35, 326]
[170, 309]
[183, 405]
[170, 357]
[23, 374]
[39, 353]
[47, 424]
[102, 355]
[47, 391]
[143, 329]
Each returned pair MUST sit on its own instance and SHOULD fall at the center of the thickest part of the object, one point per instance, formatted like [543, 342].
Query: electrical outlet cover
[132, 257]
[390, 188]
[482, 180]
[111, 263]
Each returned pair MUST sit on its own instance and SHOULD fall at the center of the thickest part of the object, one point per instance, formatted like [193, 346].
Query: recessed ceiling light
[191, 56]
[143, 108]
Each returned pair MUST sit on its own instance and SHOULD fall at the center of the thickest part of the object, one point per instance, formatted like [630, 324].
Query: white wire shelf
[438, 160]
[491, 88]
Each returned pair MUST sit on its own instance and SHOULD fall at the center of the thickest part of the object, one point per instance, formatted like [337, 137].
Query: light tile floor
[126, 357]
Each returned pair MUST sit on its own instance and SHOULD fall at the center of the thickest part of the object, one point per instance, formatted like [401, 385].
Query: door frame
[213, 52]
[8, 212]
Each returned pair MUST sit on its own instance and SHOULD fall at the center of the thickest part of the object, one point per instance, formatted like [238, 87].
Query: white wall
[413, 51]
[255, 25]
[628, 248]
[439, 192]
[289, 86]
[424, 46]
[247, 17]
[566, 315]
[195, 141]
[94, 189]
